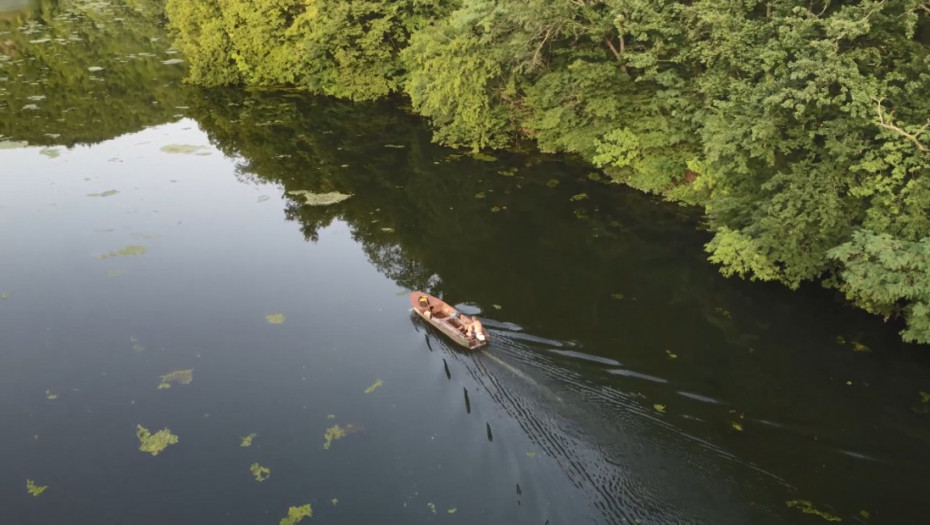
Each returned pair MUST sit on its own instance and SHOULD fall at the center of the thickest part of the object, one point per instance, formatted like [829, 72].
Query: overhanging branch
[913, 137]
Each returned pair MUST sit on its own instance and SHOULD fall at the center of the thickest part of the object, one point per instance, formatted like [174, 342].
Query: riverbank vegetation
[802, 129]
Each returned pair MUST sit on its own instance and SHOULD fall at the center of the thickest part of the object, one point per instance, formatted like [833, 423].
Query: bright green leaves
[741, 255]
[457, 81]
[888, 276]
[618, 148]
[345, 49]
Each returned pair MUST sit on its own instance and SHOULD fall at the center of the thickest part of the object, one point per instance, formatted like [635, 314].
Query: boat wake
[630, 464]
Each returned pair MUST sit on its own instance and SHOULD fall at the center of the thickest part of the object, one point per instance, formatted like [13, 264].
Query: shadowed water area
[161, 266]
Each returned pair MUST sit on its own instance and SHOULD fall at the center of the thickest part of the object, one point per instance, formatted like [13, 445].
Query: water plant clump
[261, 473]
[337, 432]
[126, 251]
[154, 443]
[295, 514]
[320, 199]
[34, 489]
[182, 377]
[103, 193]
[807, 507]
[247, 440]
[377, 384]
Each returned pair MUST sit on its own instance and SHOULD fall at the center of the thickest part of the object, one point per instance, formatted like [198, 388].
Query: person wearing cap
[424, 303]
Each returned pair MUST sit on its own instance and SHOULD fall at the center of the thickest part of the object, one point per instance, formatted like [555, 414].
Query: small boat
[447, 319]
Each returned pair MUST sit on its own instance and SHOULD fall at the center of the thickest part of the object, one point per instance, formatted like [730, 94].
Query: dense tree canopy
[801, 127]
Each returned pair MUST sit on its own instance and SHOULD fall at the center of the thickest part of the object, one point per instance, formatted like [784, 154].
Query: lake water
[148, 227]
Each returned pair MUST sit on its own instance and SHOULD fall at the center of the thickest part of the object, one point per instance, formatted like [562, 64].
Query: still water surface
[626, 380]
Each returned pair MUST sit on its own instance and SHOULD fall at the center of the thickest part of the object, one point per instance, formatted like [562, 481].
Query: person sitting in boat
[424, 303]
[473, 327]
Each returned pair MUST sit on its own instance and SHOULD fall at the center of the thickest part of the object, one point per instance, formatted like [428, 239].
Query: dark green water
[626, 380]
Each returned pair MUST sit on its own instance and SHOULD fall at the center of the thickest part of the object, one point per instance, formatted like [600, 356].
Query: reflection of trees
[493, 238]
[577, 266]
[51, 90]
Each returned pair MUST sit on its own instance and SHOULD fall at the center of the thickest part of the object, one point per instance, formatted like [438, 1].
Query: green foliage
[811, 130]
[888, 276]
[793, 124]
[459, 82]
[345, 49]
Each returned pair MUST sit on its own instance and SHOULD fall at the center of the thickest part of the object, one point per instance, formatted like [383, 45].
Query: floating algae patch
[103, 193]
[295, 514]
[50, 395]
[808, 508]
[50, 152]
[431, 506]
[275, 318]
[13, 144]
[126, 251]
[659, 408]
[184, 149]
[261, 473]
[376, 385]
[320, 199]
[247, 440]
[34, 489]
[336, 432]
[181, 377]
[484, 157]
[154, 443]
[114, 273]
[5, 295]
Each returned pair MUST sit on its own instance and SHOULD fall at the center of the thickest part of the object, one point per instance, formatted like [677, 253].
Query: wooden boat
[447, 319]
